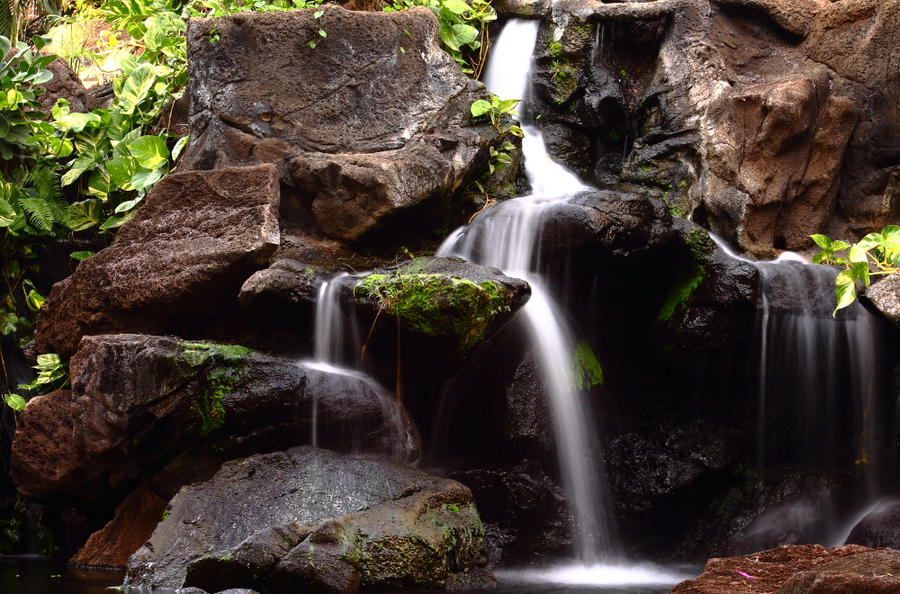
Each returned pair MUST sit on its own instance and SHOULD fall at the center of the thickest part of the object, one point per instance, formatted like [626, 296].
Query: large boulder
[797, 569]
[367, 124]
[312, 520]
[138, 401]
[184, 255]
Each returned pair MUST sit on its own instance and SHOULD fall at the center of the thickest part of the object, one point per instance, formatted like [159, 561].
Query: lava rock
[183, 255]
[885, 296]
[366, 125]
[799, 569]
[309, 519]
[138, 401]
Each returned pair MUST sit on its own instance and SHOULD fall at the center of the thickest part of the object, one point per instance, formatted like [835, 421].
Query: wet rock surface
[880, 527]
[138, 401]
[183, 255]
[800, 568]
[312, 519]
[885, 296]
[366, 125]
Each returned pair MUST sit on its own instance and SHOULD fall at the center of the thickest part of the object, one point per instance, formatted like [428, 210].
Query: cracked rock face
[365, 123]
[185, 254]
[763, 120]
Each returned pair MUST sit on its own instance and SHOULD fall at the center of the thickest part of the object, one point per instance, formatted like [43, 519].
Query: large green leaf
[85, 214]
[465, 34]
[81, 164]
[845, 289]
[120, 171]
[14, 401]
[456, 6]
[480, 108]
[136, 87]
[99, 184]
[150, 152]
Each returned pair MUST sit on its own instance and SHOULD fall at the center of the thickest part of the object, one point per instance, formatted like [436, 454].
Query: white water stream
[508, 236]
[819, 364]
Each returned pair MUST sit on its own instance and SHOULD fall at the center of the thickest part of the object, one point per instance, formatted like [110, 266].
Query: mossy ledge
[436, 304]
[221, 365]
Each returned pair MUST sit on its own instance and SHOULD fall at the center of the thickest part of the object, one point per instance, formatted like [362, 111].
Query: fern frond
[39, 212]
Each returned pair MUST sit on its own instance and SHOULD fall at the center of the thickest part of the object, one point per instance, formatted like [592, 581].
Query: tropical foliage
[873, 255]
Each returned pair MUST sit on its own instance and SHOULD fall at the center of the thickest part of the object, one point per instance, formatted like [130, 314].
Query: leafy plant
[873, 255]
[500, 112]
[463, 29]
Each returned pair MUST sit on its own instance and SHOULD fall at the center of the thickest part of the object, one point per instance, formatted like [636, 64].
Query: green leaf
[7, 214]
[823, 241]
[80, 256]
[116, 221]
[128, 205]
[85, 214]
[14, 401]
[891, 232]
[456, 6]
[465, 34]
[120, 171]
[9, 322]
[5, 46]
[480, 108]
[507, 105]
[844, 289]
[150, 152]
[81, 164]
[857, 254]
[143, 179]
[136, 87]
[34, 300]
[179, 146]
[869, 241]
[99, 184]
[839, 245]
[861, 269]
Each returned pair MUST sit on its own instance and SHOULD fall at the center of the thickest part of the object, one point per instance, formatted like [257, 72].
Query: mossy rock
[430, 298]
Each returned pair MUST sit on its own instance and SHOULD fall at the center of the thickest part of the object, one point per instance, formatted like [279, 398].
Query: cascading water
[508, 237]
[335, 338]
[816, 370]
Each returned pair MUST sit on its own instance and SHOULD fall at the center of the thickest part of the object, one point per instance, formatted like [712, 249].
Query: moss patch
[700, 244]
[586, 369]
[222, 364]
[436, 304]
[681, 291]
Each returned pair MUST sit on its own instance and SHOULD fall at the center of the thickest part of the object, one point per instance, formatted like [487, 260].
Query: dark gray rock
[309, 519]
[138, 401]
[366, 125]
[880, 527]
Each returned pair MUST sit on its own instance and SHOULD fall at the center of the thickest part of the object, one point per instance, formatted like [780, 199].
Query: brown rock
[364, 124]
[795, 569]
[42, 451]
[184, 255]
[65, 84]
[132, 525]
[139, 401]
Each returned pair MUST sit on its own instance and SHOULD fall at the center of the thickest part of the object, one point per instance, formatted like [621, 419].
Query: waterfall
[817, 374]
[508, 237]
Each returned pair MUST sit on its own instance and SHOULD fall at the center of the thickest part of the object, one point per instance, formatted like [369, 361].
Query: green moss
[700, 244]
[587, 371]
[222, 363]
[681, 291]
[436, 304]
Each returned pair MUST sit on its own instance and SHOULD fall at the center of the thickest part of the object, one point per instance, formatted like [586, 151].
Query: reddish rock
[183, 256]
[801, 569]
[42, 452]
[134, 522]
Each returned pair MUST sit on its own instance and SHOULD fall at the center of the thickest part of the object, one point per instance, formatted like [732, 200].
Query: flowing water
[817, 375]
[508, 236]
